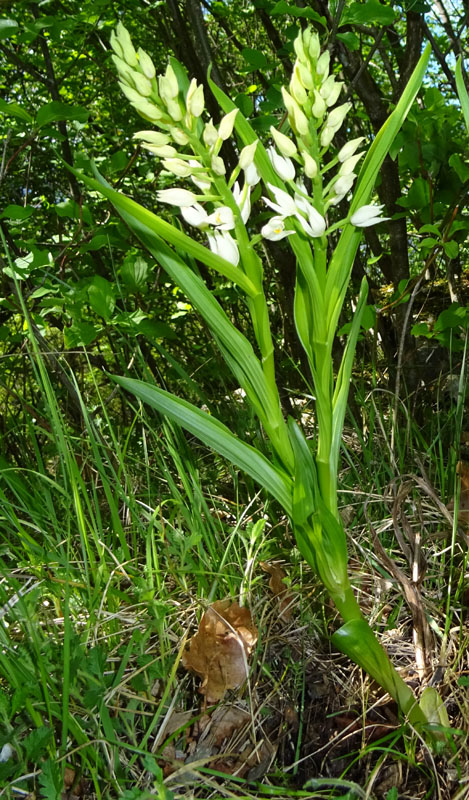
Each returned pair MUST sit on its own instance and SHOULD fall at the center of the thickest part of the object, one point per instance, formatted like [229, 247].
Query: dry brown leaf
[218, 651]
[278, 588]
[462, 470]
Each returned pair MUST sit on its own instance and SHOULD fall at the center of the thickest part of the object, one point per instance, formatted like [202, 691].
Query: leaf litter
[219, 650]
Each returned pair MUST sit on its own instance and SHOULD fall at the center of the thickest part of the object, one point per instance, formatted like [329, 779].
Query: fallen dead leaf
[278, 588]
[218, 652]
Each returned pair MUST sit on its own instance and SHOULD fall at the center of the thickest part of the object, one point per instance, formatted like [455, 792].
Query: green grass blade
[216, 436]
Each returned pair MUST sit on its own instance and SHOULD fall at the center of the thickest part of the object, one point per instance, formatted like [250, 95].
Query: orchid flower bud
[299, 48]
[174, 110]
[218, 165]
[179, 136]
[297, 89]
[286, 146]
[251, 175]
[116, 45]
[327, 135]
[341, 187]
[349, 164]
[335, 93]
[142, 84]
[300, 121]
[322, 65]
[327, 87]
[146, 64]
[195, 104]
[153, 137]
[310, 165]
[130, 93]
[149, 111]
[226, 126]
[125, 72]
[247, 154]
[349, 149]
[178, 167]
[162, 151]
[176, 197]
[283, 166]
[305, 75]
[242, 200]
[128, 50]
[200, 179]
[314, 47]
[337, 116]
[319, 106]
[210, 134]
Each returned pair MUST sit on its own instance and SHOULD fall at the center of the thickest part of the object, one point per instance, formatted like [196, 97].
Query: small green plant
[304, 189]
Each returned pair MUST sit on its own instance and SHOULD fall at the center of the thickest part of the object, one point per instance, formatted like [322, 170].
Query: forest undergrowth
[117, 537]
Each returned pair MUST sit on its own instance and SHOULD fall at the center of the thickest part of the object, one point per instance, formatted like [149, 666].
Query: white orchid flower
[285, 205]
[341, 187]
[195, 215]
[299, 207]
[283, 166]
[222, 218]
[176, 197]
[368, 215]
[274, 230]
[242, 198]
[223, 244]
[314, 224]
[251, 175]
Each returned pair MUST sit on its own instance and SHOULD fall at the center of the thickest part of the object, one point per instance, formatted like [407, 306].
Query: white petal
[283, 166]
[284, 200]
[195, 215]
[223, 244]
[368, 215]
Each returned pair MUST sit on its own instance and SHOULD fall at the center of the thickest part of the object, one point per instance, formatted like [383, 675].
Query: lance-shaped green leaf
[462, 92]
[344, 254]
[342, 385]
[358, 642]
[214, 434]
[320, 535]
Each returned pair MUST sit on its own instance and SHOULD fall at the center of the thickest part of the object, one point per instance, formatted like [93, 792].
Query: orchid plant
[303, 189]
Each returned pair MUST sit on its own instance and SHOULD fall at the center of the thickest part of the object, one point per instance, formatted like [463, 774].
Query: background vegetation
[117, 529]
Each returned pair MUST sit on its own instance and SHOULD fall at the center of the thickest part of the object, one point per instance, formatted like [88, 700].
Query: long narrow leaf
[344, 254]
[215, 435]
[462, 92]
[343, 378]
